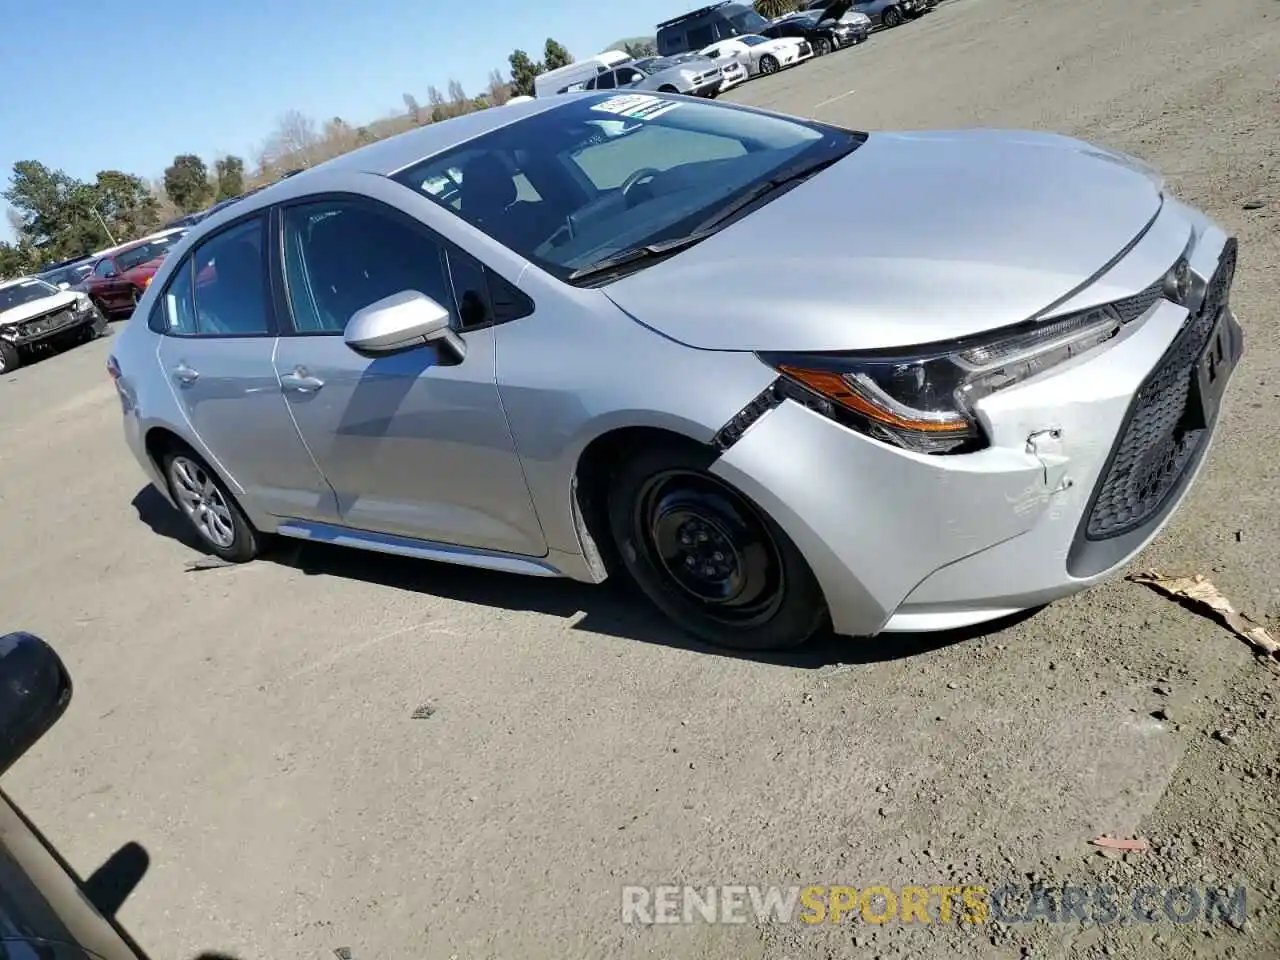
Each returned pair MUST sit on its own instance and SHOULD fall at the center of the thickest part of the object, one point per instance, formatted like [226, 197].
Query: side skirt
[420, 549]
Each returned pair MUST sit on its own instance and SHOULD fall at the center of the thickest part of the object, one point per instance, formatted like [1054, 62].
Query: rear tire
[10, 358]
[707, 557]
[892, 17]
[769, 65]
[821, 47]
[209, 508]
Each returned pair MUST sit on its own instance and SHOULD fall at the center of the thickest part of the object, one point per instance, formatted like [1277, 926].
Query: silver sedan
[592, 354]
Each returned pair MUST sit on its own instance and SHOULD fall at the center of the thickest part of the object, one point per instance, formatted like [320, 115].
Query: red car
[119, 277]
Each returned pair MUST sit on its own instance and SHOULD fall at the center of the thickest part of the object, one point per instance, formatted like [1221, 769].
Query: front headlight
[925, 399]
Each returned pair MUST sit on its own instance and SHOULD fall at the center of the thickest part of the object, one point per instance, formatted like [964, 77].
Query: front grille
[1161, 434]
[50, 321]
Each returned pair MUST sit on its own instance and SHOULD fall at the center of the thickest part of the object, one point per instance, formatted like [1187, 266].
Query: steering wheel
[641, 175]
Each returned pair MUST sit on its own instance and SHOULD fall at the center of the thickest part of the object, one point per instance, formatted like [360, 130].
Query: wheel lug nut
[717, 556]
[689, 561]
[702, 536]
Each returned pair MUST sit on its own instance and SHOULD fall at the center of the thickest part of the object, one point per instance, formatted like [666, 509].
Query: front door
[217, 347]
[412, 444]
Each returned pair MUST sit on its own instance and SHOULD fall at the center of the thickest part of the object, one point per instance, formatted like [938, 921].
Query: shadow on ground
[614, 608]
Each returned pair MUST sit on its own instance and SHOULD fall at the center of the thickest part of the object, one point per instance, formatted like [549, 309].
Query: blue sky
[128, 87]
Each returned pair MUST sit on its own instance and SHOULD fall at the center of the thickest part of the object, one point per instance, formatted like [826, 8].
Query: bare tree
[412, 108]
[296, 139]
[436, 99]
[499, 91]
[459, 102]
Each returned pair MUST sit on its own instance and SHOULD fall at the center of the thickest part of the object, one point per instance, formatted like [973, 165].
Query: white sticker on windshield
[637, 106]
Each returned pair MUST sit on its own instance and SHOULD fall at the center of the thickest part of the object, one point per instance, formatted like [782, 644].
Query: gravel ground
[254, 728]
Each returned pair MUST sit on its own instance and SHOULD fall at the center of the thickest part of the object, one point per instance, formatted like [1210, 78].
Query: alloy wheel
[711, 545]
[202, 501]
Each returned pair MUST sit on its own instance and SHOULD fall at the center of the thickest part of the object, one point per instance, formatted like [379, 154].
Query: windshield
[24, 291]
[753, 39]
[72, 274]
[135, 256]
[564, 193]
[748, 21]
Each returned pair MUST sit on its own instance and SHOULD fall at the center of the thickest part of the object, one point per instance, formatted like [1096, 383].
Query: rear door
[219, 334]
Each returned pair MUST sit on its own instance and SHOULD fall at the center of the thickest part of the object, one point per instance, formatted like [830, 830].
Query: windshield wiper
[788, 178]
[635, 255]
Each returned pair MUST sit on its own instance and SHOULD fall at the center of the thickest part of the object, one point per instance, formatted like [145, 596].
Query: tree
[498, 93]
[230, 173]
[412, 108]
[18, 259]
[459, 102]
[436, 101]
[186, 181]
[775, 8]
[124, 203]
[523, 71]
[40, 197]
[554, 56]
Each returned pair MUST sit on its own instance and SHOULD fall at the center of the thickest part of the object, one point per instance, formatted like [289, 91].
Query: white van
[569, 78]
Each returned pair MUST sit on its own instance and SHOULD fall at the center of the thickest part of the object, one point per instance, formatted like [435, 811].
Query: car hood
[913, 238]
[37, 308]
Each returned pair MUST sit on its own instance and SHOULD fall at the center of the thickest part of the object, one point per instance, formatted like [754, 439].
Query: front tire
[769, 65]
[892, 17]
[209, 508]
[707, 557]
[10, 358]
[821, 47]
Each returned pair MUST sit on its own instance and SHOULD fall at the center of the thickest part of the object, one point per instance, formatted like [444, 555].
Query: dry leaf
[1201, 593]
[1136, 845]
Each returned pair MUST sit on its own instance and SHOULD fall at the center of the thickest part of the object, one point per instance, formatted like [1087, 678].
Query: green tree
[41, 198]
[186, 181]
[17, 259]
[523, 70]
[555, 56]
[230, 174]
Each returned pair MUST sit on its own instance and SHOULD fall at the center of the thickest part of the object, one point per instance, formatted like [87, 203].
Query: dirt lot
[253, 728]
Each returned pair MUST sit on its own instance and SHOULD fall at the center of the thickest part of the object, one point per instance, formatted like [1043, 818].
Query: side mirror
[401, 322]
[64, 285]
[35, 689]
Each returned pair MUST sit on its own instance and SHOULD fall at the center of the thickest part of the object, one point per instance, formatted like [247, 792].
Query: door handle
[185, 375]
[300, 382]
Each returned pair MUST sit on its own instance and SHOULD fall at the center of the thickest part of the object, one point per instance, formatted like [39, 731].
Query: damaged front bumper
[36, 330]
[901, 541]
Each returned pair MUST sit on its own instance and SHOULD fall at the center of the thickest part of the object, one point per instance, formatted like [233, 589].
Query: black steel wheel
[709, 558]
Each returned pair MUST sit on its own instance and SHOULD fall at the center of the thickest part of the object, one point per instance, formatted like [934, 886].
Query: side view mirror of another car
[35, 690]
[402, 322]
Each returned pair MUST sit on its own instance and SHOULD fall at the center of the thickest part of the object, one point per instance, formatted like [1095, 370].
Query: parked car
[35, 314]
[572, 76]
[886, 13]
[707, 25]
[969, 398]
[821, 38]
[732, 72]
[70, 275]
[119, 278]
[693, 76]
[840, 12]
[761, 55]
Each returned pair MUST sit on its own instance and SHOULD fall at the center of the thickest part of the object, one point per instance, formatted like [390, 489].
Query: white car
[760, 55]
[34, 313]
